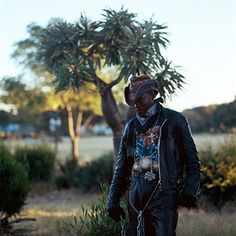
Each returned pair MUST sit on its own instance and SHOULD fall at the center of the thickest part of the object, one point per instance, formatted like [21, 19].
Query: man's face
[143, 103]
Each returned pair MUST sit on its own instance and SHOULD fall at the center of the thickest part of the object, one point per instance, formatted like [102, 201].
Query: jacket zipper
[159, 155]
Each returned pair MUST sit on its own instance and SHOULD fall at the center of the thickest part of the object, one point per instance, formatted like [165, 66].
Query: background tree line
[213, 118]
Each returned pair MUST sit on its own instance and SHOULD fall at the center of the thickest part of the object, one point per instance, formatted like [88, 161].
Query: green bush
[89, 176]
[218, 182]
[38, 160]
[67, 176]
[62, 182]
[14, 185]
[95, 220]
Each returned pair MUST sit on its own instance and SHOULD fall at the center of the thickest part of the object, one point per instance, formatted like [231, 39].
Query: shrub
[95, 220]
[14, 185]
[38, 160]
[218, 180]
[62, 182]
[89, 176]
[68, 174]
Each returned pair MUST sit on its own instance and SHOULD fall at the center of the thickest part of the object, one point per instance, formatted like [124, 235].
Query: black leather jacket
[178, 157]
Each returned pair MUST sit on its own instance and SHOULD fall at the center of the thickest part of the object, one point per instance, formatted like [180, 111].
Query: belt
[144, 174]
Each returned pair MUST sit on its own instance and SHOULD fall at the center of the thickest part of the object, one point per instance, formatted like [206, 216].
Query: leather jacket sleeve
[121, 173]
[192, 168]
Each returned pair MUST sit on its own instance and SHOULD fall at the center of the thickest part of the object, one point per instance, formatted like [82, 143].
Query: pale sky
[202, 38]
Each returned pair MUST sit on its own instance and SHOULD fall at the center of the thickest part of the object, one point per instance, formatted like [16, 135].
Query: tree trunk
[75, 148]
[112, 117]
[73, 136]
[75, 133]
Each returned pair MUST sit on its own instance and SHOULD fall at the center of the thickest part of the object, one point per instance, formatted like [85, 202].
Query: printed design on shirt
[147, 143]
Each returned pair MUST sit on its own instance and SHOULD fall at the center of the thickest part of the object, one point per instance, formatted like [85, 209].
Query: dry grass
[52, 210]
[201, 223]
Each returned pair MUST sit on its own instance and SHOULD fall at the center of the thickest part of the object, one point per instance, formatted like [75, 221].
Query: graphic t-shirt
[147, 143]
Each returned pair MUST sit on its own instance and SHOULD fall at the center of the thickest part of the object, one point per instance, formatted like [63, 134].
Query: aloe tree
[75, 53]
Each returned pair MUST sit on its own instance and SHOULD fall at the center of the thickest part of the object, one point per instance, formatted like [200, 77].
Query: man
[157, 161]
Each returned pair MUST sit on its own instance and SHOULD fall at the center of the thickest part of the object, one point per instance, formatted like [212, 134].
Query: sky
[202, 38]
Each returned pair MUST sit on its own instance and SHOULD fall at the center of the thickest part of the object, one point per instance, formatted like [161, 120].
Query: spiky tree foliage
[76, 52]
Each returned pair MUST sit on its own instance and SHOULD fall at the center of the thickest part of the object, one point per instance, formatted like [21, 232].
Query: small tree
[30, 102]
[85, 99]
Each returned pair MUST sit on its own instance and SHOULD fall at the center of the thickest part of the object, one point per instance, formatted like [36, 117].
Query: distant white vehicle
[54, 123]
[101, 129]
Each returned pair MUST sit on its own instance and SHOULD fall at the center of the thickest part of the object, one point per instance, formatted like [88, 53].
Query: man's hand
[116, 212]
[186, 200]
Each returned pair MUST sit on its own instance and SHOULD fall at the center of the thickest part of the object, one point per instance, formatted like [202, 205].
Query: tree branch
[78, 123]
[114, 82]
[88, 120]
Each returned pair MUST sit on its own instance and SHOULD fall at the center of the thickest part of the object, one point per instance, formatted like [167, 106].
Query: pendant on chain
[150, 176]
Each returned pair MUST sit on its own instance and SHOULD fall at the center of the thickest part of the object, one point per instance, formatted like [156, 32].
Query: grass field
[89, 147]
[93, 147]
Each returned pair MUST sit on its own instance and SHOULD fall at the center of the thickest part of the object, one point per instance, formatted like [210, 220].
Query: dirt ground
[51, 210]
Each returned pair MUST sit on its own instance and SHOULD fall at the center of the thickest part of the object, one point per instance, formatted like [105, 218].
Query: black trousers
[160, 215]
